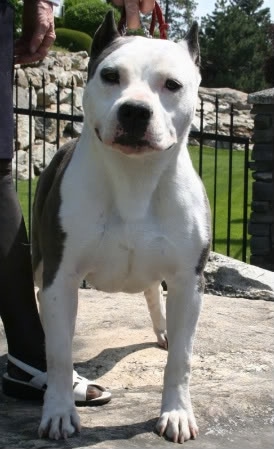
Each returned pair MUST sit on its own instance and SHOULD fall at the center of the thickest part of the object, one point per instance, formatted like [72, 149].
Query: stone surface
[20, 166]
[231, 385]
[263, 97]
[230, 277]
[42, 153]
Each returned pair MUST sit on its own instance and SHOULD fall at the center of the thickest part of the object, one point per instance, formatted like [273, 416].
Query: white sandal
[36, 386]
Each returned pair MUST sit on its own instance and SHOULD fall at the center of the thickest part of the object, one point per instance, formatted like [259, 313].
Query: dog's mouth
[130, 144]
[134, 142]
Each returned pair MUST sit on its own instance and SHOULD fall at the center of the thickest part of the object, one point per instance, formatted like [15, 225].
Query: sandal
[35, 387]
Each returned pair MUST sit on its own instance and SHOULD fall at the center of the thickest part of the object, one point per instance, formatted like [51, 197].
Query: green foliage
[59, 22]
[72, 40]
[69, 3]
[234, 45]
[18, 10]
[86, 15]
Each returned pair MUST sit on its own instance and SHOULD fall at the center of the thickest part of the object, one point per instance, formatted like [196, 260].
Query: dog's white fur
[132, 218]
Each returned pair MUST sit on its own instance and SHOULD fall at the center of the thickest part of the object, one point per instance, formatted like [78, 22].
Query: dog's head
[141, 93]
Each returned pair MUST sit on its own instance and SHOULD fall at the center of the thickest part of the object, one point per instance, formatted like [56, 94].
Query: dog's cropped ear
[105, 34]
[192, 39]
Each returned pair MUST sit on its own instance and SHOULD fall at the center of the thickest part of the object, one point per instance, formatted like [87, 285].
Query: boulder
[225, 276]
[42, 154]
[20, 166]
[114, 344]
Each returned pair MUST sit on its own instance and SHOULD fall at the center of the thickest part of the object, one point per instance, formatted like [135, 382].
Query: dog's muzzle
[134, 118]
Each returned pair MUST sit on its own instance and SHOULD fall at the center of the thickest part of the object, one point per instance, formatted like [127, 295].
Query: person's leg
[18, 308]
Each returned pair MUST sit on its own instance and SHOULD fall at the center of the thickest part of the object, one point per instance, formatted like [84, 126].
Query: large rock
[23, 98]
[36, 76]
[225, 276]
[48, 96]
[242, 120]
[20, 166]
[42, 154]
[238, 98]
[231, 384]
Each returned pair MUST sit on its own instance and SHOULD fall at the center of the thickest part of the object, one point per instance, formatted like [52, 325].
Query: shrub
[58, 22]
[18, 10]
[69, 3]
[87, 15]
[72, 40]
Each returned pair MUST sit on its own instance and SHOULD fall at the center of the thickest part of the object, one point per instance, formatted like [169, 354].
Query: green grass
[23, 194]
[208, 179]
[237, 199]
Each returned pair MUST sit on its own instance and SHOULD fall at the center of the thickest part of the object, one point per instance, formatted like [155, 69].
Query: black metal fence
[242, 201]
[224, 171]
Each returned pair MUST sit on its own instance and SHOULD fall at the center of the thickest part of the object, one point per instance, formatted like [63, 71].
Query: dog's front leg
[58, 305]
[177, 419]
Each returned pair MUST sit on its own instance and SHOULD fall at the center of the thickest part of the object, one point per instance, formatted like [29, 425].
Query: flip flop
[35, 388]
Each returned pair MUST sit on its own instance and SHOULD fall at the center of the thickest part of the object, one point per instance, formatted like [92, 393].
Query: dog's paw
[177, 425]
[59, 422]
[162, 339]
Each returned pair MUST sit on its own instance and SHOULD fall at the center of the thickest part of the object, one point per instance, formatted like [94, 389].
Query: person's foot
[22, 381]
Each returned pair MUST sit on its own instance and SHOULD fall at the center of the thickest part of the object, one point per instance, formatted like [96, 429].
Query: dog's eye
[173, 85]
[110, 76]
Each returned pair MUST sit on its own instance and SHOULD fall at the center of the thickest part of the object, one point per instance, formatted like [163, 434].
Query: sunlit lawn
[236, 232]
[208, 178]
[23, 193]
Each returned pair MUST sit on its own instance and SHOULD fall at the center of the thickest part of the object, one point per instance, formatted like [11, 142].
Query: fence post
[261, 225]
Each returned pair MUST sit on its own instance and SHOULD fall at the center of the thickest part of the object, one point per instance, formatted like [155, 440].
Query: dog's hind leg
[157, 309]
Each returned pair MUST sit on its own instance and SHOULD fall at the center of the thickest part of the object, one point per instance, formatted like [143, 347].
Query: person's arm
[37, 31]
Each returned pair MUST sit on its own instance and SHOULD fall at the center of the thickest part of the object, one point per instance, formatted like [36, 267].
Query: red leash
[156, 14]
[163, 26]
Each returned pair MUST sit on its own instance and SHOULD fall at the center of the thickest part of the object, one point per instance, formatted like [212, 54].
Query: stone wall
[261, 225]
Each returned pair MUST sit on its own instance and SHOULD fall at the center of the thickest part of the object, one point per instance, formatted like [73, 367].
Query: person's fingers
[27, 58]
[42, 36]
[146, 6]
[132, 14]
[37, 34]
[20, 47]
[22, 50]
[44, 27]
[133, 8]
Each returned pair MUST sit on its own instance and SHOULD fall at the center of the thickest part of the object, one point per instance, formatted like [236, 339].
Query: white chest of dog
[124, 208]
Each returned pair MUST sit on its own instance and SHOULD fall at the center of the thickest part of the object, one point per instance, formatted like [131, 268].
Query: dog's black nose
[134, 116]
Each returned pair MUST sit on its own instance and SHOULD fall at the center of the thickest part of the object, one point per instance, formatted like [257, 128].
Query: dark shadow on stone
[108, 358]
[123, 432]
[228, 281]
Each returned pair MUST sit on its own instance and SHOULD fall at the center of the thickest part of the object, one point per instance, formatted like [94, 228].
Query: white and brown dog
[124, 208]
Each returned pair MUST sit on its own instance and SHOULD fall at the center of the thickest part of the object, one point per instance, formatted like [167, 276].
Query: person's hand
[37, 32]
[133, 9]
